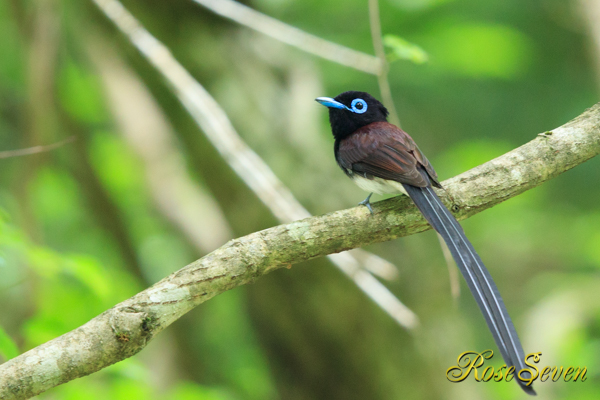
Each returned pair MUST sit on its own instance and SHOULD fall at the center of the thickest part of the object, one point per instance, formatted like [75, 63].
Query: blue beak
[330, 103]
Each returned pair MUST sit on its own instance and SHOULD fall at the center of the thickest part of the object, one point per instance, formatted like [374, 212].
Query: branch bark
[125, 329]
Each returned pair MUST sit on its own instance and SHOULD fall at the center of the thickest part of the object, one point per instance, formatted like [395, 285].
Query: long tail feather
[478, 278]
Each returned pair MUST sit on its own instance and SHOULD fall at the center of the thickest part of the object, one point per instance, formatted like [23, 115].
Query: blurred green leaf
[8, 348]
[119, 169]
[81, 94]
[401, 49]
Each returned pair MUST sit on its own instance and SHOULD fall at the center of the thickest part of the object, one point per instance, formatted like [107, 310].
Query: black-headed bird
[381, 158]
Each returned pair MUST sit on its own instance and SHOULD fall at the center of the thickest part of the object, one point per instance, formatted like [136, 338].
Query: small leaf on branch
[402, 49]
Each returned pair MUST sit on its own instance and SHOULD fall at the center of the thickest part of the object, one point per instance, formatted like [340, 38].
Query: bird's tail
[477, 276]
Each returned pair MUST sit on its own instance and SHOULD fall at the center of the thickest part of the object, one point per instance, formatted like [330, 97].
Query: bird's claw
[367, 203]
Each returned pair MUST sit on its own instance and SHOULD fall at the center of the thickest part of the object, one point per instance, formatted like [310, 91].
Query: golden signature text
[473, 362]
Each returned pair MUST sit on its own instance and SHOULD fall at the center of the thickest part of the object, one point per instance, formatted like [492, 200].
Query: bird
[381, 158]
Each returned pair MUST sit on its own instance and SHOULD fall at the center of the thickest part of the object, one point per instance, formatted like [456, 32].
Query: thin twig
[293, 36]
[213, 121]
[382, 78]
[35, 149]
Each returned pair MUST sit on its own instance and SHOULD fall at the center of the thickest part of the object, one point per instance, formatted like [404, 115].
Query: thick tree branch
[126, 328]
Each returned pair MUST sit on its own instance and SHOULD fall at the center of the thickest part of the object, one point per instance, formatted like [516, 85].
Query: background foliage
[80, 229]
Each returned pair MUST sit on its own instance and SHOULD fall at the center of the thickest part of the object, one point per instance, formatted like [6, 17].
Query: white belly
[378, 185]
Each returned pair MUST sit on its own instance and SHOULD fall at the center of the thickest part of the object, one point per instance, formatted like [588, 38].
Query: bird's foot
[367, 203]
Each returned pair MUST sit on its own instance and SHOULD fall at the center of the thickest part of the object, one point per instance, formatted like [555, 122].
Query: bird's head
[352, 110]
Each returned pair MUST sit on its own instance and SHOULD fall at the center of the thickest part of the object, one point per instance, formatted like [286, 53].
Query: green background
[80, 230]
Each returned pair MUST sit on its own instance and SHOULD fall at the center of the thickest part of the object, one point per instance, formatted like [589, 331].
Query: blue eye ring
[359, 110]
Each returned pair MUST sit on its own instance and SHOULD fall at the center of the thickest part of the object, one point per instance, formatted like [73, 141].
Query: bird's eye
[359, 106]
